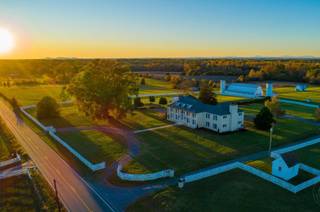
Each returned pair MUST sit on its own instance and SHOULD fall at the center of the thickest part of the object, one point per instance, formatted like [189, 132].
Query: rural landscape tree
[207, 95]
[102, 89]
[47, 107]
[264, 119]
[163, 101]
[274, 106]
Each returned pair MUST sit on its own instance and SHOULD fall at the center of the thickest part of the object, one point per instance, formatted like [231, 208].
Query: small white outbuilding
[285, 166]
[301, 87]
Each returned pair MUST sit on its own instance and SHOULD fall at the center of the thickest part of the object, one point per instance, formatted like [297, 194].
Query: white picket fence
[144, 177]
[34, 120]
[51, 131]
[13, 173]
[10, 161]
[296, 147]
[306, 104]
[268, 177]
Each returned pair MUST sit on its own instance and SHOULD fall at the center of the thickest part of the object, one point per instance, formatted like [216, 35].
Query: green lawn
[222, 98]
[310, 156]
[186, 150]
[27, 95]
[290, 109]
[69, 116]
[231, 191]
[144, 118]
[94, 145]
[156, 87]
[312, 93]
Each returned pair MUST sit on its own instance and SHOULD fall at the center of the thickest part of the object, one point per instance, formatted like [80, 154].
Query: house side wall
[217, 123]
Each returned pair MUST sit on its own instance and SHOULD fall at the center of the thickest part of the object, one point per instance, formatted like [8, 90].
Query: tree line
[63, 70]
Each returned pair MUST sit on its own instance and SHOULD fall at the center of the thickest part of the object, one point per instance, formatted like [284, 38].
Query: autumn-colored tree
[274, 106]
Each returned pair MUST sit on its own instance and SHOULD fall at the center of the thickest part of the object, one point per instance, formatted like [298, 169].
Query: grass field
[27, 95]
[95, 145]
[290, 109]
[156, 86]
[145, 118]
[312, 93]
[17, 195]
[231, 191]
[70, 116]
[185, 149]
[309, 155]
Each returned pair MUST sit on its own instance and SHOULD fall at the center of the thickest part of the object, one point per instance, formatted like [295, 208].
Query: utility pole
[56, 192]
[270, 140]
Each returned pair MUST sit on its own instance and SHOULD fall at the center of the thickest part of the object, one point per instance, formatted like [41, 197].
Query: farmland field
[28, 95]
[312, 93]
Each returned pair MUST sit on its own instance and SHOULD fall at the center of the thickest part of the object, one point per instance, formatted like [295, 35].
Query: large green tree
[103, 87]
[264, 119]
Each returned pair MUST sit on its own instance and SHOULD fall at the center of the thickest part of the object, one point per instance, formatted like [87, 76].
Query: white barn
[189, 111]
[244, 89]
[286, 166]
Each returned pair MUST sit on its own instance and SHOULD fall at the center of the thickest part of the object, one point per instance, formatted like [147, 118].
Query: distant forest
[62, 70]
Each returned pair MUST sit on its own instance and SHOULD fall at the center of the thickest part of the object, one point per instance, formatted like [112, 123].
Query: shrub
[143, 81]
[163, 101]
[264, 119]
[47, 107]
[317, 114]
[137, 102]
[152, 99]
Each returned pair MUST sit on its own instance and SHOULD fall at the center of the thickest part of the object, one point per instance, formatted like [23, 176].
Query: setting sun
[6, 41]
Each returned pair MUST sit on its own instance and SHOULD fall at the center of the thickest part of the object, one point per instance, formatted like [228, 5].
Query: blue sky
[162, 28]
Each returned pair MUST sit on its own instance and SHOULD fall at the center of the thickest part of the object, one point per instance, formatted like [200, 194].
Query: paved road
[74, 192]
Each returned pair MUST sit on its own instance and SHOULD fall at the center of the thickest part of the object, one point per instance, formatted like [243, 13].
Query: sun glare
[6, 41]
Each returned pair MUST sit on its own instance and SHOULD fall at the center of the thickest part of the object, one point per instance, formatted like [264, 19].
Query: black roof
[290, 159]
[192, 104]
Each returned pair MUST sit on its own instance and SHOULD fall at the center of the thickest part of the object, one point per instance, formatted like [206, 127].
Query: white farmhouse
[189, 111]
[285, 166]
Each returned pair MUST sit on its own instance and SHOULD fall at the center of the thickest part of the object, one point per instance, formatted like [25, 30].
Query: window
[207, 115]
[207, 124]
[193, 122]
[239, 122]
[224, 125]
[280, 168]
[240, 114]
[214, 126]
[187, 120]
[214, 117]
[193, 115]
[224, 117]
[176, 116]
